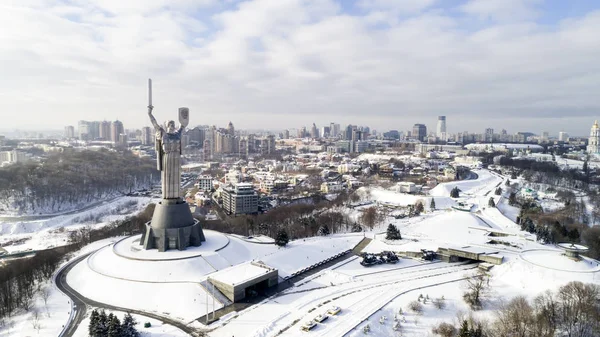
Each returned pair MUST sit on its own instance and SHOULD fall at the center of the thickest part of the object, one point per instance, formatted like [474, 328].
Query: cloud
[274, 63]
[502, 10]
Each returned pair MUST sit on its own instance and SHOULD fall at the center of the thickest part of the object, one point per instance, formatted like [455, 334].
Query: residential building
[240, 199]
[116, 129]
[147, 136]
[563, 136]
[419, 132]
[441, 128]
[331, 187]
[69, 131]
[204, 183]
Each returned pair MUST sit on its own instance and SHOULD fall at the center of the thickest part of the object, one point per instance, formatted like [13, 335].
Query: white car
[307, 326]
[320, 318]
[334, 310]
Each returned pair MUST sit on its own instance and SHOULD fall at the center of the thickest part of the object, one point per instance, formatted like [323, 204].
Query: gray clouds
[274, 63]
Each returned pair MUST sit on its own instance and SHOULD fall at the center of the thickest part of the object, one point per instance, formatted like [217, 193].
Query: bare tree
[477, 288]
[516, 318]
[35, 320]
[579, 309]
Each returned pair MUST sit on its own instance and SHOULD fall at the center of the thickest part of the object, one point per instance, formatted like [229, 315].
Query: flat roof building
[240, 199]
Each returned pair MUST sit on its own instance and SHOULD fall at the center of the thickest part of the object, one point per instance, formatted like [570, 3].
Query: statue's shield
[184, 116]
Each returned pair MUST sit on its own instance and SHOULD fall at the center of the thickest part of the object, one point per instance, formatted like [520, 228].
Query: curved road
[81, 302]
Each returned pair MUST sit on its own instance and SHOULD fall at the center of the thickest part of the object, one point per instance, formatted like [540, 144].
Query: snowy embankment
[392, 198]
[485, 181]
[53, 232]
[157, 328]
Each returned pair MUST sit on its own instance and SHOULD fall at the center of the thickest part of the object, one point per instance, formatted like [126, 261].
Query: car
[320, 318]
[334, 310]
[307, 326]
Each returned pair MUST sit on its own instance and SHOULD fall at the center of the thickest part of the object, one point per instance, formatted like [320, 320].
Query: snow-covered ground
[54, 231]
[53, 314]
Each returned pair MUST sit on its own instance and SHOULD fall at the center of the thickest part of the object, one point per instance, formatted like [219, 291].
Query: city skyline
[530, 64]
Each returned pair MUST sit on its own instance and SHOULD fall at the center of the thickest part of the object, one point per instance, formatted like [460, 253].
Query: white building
[204, 183]
[407, 187]
[592, 147]
[11, 157]
[331, 187]
[563, 136]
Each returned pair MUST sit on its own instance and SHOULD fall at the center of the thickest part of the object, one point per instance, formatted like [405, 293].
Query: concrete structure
[244, 280]
[572, 250]
[592, 147]
[456, 254]
[172, 225]
[563, 136]
[240, 199]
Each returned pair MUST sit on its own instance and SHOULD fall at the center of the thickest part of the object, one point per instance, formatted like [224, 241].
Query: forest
[70, 180]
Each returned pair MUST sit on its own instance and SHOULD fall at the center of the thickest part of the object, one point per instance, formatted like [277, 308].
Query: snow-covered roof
[240, 273]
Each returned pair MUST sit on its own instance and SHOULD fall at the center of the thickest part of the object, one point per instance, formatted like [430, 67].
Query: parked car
[320, 318]
[334, 310]
[307, 326]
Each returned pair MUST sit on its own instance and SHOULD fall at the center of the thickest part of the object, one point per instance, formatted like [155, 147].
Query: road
[81, 303]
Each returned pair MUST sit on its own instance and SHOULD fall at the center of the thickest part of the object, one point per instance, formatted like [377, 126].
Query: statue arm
[153, 120]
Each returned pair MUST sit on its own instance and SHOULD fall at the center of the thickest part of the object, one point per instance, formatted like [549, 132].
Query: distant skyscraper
[441, 128]
[314, 132]
[286, 134]
[83, 130]
[545, 136]
[93, 130]
[592, 147]
[147, 133]
[563, 136]
[104, 132]
[334, 129]
[325, 132]
[231, 129]
[116, 129]
[419, 132]
[69, 131]
[489, 135]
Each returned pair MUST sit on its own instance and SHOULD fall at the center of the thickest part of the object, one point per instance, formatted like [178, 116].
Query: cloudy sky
[522, 65]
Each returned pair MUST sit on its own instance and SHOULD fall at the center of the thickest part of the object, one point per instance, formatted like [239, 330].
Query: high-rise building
[231, 129]
[489, 135]
[563, 136]
[441, 128]
[334, 129]
[116, 129]
[93, 130]
[419, 132]
[592, 147]
[147, 134]
[545, 136]
[104, 132]
[325, 131]
[314, 132]
[286, 134]
[83, 130]
[240, 199]
[69, 131]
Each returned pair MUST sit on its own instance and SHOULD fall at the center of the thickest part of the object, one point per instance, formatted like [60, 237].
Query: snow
[157, 329]
[54, 231]
[484, 182]
[239, 274]
[388, 197]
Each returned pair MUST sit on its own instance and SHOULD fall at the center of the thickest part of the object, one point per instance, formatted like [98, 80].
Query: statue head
[170, 126]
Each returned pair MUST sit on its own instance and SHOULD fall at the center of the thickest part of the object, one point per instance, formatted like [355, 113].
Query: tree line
[573, 310]
[20, 280]
[70, 179]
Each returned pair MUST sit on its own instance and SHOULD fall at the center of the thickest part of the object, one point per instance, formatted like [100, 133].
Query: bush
[444, 330]
[147, 325]
[439, 303]
[416, 307]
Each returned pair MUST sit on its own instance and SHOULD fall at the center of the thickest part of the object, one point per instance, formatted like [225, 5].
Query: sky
[519, 65]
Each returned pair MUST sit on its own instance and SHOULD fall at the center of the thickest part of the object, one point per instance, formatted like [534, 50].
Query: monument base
[172, 227]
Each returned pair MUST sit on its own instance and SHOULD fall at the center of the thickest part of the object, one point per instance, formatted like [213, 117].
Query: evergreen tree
[101, 329]
[498, 191]
[356, 228]
[432, 204]
[455, 192]
[282, 238]
[464, 329]
[94, 317]
[323, 230]
[128, 327]
[491, 203]
[392, 233]
[114, 326]
[512, 199]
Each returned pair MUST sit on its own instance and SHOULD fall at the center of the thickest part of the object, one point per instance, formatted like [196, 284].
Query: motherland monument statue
[172, 225]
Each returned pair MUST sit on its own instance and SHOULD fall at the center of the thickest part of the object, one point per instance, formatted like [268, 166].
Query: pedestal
[172, 227]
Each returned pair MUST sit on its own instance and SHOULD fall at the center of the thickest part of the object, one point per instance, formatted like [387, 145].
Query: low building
[240, 199]
[407, 187]
[244, 280]
[331, 187]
